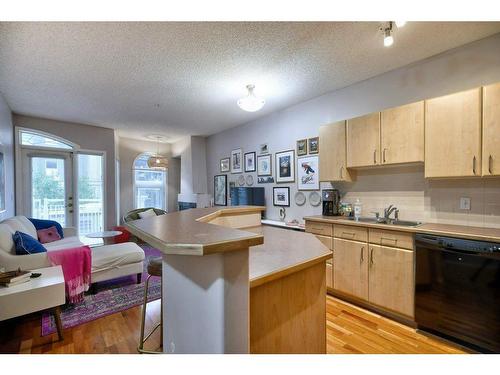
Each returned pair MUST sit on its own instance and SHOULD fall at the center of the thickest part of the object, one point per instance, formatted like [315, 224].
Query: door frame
[21, 208]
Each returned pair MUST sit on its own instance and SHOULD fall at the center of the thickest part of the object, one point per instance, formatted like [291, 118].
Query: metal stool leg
[143, 339]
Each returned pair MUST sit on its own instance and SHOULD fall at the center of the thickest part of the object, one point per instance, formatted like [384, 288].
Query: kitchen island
[232, 285]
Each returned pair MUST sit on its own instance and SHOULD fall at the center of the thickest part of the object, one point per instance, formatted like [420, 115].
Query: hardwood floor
[349, 330]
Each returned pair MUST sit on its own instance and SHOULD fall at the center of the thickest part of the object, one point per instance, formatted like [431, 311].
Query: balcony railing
[90, 215]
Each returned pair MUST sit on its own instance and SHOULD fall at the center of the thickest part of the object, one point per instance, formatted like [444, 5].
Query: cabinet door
[391, 279]
[491, 130]
[363, 141]
[350, 267]
[402, 134]
[329, 275]
[332, 157]
[453, 135]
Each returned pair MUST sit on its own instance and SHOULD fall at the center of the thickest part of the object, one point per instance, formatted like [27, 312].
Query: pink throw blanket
[77, 267]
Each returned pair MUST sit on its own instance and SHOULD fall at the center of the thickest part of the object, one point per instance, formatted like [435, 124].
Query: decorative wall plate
[314, 198]
[249, 180]
[300, 198]
[241, 180]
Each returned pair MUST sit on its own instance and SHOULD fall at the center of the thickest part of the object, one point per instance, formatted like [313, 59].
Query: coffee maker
[331, 201]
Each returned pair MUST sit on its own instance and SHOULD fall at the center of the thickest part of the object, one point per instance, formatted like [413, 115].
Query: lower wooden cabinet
[350, 267]
[391, 279]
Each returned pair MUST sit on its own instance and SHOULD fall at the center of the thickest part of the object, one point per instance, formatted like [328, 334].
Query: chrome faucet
[388, 211]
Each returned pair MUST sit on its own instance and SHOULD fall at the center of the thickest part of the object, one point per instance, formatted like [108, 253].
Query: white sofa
[108, 262]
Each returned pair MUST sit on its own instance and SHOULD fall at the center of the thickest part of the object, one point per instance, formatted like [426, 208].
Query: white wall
[129, 149]
[466, 67]
[89, 138]
[7, 146]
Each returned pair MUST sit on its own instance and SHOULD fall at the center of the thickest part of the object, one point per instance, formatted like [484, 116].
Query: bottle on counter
[358, 208]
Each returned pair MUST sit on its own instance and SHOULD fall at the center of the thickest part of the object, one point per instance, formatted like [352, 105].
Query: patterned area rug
[112, 296]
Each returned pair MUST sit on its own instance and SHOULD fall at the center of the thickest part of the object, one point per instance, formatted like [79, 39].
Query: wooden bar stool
[154, 269]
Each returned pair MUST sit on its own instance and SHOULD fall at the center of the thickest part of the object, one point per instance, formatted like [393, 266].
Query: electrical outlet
[464, 203]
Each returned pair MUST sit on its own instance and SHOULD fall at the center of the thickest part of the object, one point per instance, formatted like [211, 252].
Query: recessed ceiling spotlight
[400, 24]
[251, 103]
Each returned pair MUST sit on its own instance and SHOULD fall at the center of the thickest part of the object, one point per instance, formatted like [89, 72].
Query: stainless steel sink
[403, 223]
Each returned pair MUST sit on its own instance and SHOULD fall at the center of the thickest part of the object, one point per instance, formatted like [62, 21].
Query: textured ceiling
[184, 78]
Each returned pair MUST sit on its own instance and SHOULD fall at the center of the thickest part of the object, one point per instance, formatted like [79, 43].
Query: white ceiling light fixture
[157, 161]
[251, 102]
[388, 38]
[400, 24]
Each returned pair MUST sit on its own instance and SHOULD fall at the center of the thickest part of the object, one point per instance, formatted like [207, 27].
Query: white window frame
[134, 185]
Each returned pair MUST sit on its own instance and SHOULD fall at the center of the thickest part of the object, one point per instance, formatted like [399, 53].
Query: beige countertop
[274, 252]
[461, 231]
[188, 233]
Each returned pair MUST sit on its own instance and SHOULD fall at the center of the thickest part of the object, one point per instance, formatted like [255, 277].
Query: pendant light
[251, 103]
[157, 161]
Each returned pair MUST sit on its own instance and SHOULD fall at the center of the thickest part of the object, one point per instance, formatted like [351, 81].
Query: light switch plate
[464, 203]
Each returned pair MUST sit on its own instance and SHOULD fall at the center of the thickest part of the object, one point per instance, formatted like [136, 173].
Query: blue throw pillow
[44, 224]
[25, 244]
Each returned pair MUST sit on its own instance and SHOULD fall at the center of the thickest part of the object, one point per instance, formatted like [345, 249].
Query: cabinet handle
[474, 165]
[362, 259]
[349, 233]
[341, 168]
[490, 164]
[388, 239]
[384, 154]
[375, 156]
[371, 257]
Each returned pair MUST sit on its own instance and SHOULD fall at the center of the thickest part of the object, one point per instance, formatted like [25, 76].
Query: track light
[388, 39]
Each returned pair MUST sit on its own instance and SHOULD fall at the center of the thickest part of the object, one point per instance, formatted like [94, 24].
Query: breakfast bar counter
[232, 285]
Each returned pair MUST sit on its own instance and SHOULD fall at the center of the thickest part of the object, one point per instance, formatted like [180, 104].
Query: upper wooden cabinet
[491, 130]
[402, 134]
[363, 141]
[332, 158]
[453, 135]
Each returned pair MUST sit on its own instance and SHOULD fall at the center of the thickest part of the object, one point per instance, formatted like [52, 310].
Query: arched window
[40, 139]
[149, 184]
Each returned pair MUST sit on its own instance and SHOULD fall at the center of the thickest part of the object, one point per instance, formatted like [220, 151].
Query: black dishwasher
[457, 290]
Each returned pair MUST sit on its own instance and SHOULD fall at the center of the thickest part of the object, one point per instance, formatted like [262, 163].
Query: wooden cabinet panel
[491, 130]
[350, 267]
[363, 141]
[316, 227]
[391, 238]
[332, 157]
[453, 135]
[402, 134]
[329, 276]
[391, 279]
[326, 240]
[350, 232]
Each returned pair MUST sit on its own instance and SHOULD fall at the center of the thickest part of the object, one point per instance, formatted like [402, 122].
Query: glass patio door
[50, 186]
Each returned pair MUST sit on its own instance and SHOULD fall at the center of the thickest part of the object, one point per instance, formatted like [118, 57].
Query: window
[29, 138]
[149, 184]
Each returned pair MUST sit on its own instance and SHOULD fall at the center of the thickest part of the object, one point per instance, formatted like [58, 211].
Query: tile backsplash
[424, 200]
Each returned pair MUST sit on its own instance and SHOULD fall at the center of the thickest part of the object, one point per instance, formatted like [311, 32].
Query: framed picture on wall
[220, 190]
[2, 181]
[236, 162]
[285, 166]
[264, 165]
[225, 165]
[314, 145]
[308, 173]
[301, 147]
[281, 196]
[263, 149]
[249, 162]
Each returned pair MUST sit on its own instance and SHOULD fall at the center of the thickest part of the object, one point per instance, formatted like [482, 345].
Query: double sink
[372, 220]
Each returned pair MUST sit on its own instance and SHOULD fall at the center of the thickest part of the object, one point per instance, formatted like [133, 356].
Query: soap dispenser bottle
[358, 207]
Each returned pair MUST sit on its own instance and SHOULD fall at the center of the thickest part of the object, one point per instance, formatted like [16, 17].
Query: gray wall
[89, 138]
[468, 66]
[129, 149]
[7, 145]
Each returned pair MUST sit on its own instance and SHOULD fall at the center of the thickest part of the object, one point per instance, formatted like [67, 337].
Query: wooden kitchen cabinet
[332, 157]
[363, 141]
[491, 130]
[402, 134]
[453, 135]
[329, 275]
[350, 267]
[391, 279]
